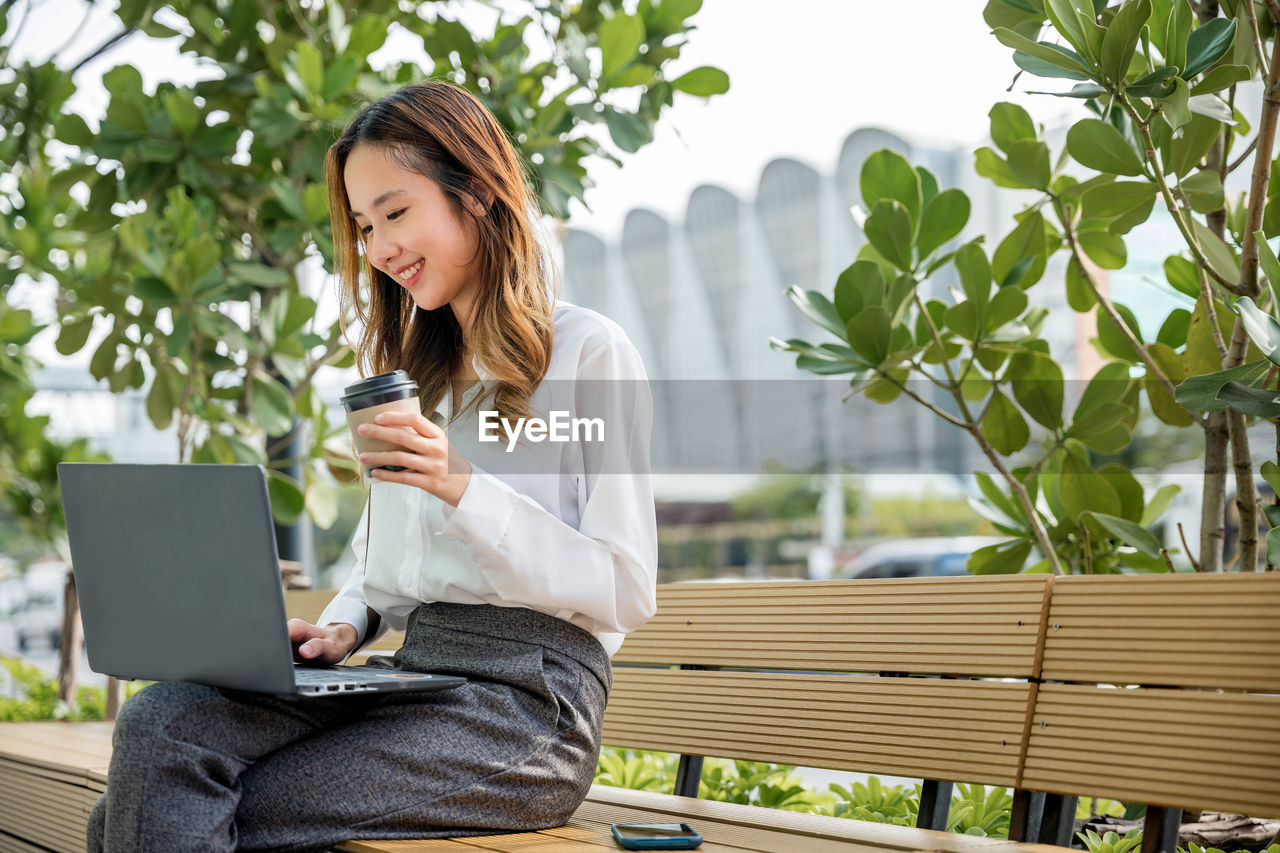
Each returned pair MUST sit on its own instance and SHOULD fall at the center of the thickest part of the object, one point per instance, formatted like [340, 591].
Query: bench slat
[1182, 629]
[1191, 749]
[837, 722]
[970, 625]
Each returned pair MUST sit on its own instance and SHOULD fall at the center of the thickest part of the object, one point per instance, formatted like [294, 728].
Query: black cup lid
[383, 382]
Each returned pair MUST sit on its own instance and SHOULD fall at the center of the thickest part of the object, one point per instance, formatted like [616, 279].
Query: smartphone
[656, 836]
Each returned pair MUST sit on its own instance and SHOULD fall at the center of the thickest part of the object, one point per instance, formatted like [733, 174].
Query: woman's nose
[382, 250]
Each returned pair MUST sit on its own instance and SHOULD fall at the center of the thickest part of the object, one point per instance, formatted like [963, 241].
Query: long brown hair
[441, 131]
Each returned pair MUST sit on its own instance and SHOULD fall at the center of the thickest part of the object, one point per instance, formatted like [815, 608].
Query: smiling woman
[522, 582]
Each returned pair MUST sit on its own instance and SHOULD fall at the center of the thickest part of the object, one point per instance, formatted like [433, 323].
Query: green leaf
[287, 499]
[1175, 44]
[1122, 38]
[1181, 275]
[1207, 44]
[1026, 240]
[1262, 328]
[628, 131]
[1102, 428]
[73, 335]
[1159, 502]
[1211, 106]
[1222, 77]
[160, 399]
[310, 67]
[1110, 200]
[1050, 54]
[1176, 105]
[992, 166]
[975, 274]
[1259, 402]
[1204, 191]
[1221, 257]
[1273, 546]
[1173, 331]
[1006, 306]
[1081, 489]
[620, 40]
[1036, 380]
[271, 405]
[703, 82]
[1113, 339]
[1103, 248]
[1029, 160]
[869, 333]
[1270, 472]
[1003, 558]
[1040, 68]
[888, 229]
[1010, 124]
[1003, 425]
[1157, 84]
[368, 33]
[1096, 144]
[817, 308]
[1270, 268]
[886, 174]
[1134, 535]
[321, 495]
[1200, 393]
[1164, 406]
[944, 218]
[860, 285]
[1189, 148]
[1079, 295]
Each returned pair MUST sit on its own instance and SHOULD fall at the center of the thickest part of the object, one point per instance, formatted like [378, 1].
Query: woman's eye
[395, 214]
[366, 229]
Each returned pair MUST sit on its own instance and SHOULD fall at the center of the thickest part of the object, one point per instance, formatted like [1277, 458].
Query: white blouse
[564, 527]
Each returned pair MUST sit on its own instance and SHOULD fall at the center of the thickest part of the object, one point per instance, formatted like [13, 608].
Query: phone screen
[637, 831]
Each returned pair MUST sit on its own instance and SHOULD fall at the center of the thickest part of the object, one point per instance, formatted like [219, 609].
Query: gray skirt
[203, 768]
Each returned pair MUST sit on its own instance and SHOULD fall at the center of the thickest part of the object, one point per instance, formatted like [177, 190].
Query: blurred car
[39, 619]
[935, 556]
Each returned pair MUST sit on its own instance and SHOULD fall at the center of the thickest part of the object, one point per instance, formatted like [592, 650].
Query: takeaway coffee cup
[368, 398]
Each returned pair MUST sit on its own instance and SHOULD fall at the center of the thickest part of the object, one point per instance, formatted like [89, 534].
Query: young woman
[523, 577]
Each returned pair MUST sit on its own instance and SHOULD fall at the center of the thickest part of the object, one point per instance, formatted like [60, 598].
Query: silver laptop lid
[177, 574]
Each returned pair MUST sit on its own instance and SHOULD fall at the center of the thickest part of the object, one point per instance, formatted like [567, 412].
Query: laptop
[178, 580]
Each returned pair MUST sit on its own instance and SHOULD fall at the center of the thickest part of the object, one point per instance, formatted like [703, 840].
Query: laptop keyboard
[304, 675]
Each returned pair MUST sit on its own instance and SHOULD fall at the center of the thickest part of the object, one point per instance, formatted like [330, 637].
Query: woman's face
[411, 232]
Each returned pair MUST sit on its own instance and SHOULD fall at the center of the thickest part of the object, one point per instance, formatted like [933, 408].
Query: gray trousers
[198, 768]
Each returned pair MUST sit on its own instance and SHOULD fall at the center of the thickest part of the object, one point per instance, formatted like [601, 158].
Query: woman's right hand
[313, 644]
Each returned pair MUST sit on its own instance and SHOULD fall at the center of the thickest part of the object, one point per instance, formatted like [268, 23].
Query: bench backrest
[1161, 689]
[827, 674]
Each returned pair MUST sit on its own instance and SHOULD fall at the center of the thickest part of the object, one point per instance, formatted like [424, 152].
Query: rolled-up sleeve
[606, 568]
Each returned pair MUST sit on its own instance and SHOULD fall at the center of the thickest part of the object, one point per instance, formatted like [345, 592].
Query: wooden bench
[998, 680]
[1158, 689]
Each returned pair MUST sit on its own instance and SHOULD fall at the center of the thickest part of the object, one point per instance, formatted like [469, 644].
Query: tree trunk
[1213, 507]
[69, 647]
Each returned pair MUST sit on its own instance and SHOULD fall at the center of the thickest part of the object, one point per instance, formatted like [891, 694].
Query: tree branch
[107, 45]
[1244, 155]
[1171, 202]
[1019, 490]
[1153, 368]
[1261, 174]
[1257, 38]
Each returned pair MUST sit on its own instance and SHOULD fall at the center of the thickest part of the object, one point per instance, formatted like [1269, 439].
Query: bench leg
[1024, 816]
[935, 805]
[688, 775]
[1160, 830]
[1057, 819]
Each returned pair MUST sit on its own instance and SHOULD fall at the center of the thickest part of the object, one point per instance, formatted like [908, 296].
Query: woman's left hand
[431, 463]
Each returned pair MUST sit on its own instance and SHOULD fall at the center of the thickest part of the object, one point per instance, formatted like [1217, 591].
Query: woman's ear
[478, 206]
